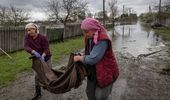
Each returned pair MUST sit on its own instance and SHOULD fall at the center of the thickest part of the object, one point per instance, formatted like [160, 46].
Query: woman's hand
[78, 58]
[81, 54]
[36, 54]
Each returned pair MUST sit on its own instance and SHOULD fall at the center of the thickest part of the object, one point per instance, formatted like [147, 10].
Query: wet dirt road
[144, 73]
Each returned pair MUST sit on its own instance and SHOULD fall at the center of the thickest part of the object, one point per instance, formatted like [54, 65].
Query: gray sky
[37, 6]
[139, 6]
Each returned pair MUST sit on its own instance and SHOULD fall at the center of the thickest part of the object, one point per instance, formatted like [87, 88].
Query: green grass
[164, 33]
[65, 48]
[20, 62]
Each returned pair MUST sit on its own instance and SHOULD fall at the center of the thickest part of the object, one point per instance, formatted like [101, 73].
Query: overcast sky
[37, 6]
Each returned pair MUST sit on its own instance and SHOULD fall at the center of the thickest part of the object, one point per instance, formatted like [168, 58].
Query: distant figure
[37, 44]
[99, 59]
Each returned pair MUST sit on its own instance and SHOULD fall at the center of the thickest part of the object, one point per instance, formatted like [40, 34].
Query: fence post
[43, 30]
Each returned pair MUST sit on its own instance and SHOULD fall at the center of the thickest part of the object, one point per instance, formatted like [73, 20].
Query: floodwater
[135, 39]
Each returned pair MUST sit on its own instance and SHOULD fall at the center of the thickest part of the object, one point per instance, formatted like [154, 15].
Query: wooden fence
[165, 22]
[11, 38]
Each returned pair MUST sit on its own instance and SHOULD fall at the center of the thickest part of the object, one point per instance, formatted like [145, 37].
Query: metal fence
[11, 38]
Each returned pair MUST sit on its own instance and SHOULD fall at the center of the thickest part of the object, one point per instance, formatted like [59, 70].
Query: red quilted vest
[106, 69]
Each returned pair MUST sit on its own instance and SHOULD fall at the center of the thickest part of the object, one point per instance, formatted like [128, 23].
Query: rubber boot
[37, 93]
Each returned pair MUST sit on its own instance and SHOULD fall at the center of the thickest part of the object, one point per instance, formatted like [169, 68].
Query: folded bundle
[57, 81]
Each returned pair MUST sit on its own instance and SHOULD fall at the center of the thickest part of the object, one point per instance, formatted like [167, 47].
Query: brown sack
[57, 81]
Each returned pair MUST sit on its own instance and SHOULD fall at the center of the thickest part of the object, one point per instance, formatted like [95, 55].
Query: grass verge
[164, 33]
[20, 62]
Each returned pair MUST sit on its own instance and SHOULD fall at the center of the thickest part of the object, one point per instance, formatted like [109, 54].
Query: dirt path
[144, 79]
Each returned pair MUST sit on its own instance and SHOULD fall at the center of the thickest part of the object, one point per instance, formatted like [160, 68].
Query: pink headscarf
[92, 24]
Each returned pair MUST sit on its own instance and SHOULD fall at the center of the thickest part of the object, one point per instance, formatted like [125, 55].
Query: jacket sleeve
[96, 54]
[45, 45]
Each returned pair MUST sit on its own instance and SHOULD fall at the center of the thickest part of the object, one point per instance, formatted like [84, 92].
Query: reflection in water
[148, 34]
[129, 31]
[123, 31]
[136, 39]
[146, 27]
[157, 39]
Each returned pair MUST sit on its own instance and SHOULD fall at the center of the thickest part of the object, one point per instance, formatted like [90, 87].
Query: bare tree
[17, 16]
[113, 9]
[167, 6]
[54, 7]
[3, 13]
[66, 10]
[12, 16]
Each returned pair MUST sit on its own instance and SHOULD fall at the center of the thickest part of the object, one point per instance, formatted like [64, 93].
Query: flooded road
[144, 65]
[135, 39]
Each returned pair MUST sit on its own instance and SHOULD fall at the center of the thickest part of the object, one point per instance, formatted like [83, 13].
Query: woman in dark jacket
[37, 44]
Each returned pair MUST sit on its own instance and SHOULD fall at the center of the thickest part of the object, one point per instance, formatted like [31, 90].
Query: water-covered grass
[9, 68]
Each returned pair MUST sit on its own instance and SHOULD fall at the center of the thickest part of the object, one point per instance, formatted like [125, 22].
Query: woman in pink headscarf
[99, 58]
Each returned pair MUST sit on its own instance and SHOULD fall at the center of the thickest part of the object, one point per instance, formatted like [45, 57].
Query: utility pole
[159, 6]
[123, 9]
[150, 9]
[103, 12]
[159, 12]
[123, 15]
